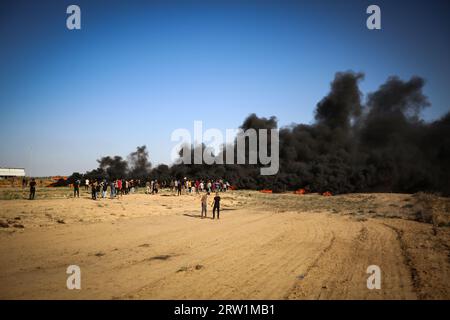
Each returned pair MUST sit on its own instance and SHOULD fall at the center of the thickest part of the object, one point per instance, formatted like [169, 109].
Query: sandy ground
[263, 247]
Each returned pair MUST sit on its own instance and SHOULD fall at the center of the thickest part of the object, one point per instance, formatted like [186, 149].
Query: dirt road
[157, 247]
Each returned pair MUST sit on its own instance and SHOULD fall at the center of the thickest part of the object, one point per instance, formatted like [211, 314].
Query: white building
[12, 172]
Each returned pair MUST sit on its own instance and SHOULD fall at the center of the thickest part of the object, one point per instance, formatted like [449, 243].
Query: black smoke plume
[139, 163]
[378, 145]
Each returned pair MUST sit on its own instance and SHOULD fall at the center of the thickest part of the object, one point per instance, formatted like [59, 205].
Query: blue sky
[137, 70]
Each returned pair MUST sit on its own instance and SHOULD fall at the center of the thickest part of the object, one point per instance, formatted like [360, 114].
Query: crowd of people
[199, 185]
[116, 188]
[120, 187]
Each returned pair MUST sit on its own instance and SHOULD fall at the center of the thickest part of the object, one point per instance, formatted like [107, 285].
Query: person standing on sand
[132, 184]
[179, 188]
[98, 190]
[32, 189]
[119, 187]
[202, 186]
[197, 185]
[112, 189]
[216, 205]
[122, 187]
[86, 185]
[76, 188]
[94, 190]
[104, 189]
[125, 186]
[204, 201]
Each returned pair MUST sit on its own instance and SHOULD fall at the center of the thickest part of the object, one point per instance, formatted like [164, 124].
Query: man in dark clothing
[216, 205]
[32, 189]
[179, 188]
[97, 191]
[94, 190]
[76, 188]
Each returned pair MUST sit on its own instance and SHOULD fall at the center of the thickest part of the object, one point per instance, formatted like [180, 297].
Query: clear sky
[138, 70]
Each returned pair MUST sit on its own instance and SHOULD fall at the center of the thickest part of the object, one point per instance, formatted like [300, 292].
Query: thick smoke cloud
[377, 145]
[139, 163]
[138, 166]
[342, 104]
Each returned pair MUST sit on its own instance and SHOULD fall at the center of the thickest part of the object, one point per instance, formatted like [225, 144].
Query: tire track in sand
[340, 273]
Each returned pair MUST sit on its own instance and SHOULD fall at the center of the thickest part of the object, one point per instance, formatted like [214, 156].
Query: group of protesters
[199, 185]
[152, 187]
[120, 187]
[117, 188]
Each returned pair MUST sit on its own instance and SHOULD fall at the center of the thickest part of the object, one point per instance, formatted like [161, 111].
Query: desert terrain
[265, 246]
